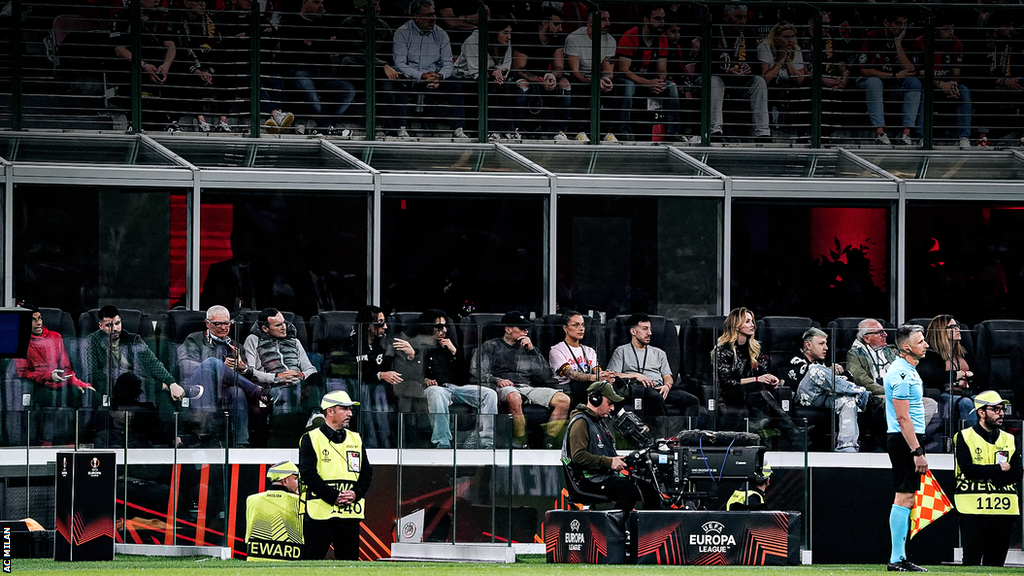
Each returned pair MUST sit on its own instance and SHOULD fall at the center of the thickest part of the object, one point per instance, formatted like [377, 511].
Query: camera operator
[588, 453]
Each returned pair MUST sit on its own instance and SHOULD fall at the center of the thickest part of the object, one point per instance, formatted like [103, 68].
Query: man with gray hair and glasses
[824, 386]
[212, 366]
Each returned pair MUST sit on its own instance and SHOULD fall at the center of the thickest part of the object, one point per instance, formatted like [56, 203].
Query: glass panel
[960, 259]
[995, 166]
[433, 159]
[809, 260]
[785, 165]
[660, 251]
[82, 150]
[618, 162]
[120, 254]
[255, 154]
[489, 253]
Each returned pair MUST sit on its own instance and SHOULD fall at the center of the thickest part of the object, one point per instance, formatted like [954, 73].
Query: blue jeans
[908, 90]
[449, 93]
[669, 99]
[440, 397]
[963, 409]
[223, 388]
[820, 385]
[341, 94]
[963, 112]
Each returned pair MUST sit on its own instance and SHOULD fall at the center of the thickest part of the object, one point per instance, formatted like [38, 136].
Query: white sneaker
[402, 132]
[315, 419]
[204, 126]
[882, 139]
[609, 137]
[965, 143]
[283, 119]
[460, 134]
[694, 140]
[515, 136]
[300, 129]
[493, 137]
[561, 137]
[223, 126]
[582, 137]
[905, 140]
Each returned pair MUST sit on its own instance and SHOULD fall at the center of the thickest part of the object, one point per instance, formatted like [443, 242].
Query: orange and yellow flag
[929, 504]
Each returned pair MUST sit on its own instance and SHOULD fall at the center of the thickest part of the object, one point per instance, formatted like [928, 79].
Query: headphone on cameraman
[594, 398]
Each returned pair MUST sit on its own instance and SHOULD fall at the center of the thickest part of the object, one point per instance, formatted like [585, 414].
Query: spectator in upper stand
[516, 370]
[236, 71]
[648, 365]
[307, 45]
[199, 37]
[459, 18]
[578, 55]
[825, 386]
[278, 359]
[574, 363]
[1002, 78]
[158, 51]
[423, 54]
[642, 60]
[867, 362]
[743, 376]
[128, 353]
[835, 73]
[438, 368]
[948, 366]
[539, 63]
[354, 59]
[885, 66]
[732, 55]
[216, 376]
[783, 70]
[499, 64]
[949, 57]
[684, 62]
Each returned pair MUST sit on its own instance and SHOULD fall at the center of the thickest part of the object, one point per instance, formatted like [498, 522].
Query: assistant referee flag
[929, 504]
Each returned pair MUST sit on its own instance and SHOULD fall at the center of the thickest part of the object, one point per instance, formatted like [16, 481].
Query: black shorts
[904, 474]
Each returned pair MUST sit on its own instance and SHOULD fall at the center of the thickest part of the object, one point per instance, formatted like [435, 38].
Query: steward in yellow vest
[273, 524]
[751, 499]
[335, 477]
[988, 473]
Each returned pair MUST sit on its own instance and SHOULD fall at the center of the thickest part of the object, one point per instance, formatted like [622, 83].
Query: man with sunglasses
[216, 376]
[988, 473]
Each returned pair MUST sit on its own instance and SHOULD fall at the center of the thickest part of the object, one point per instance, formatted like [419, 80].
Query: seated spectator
[683, 64]
[744, 379]
[127, 353]
[374, 353]
[732, 71]
[499, 63]
[51, 383]
[306, 47]
[578, 55]
[648, 366]
[835, 73]
[574, 363]
[235, 28]
[1001, 74]
[354, 59]
[438, 369]
[642, 61]
[539, 64]
[131, 423]
[947, 366]
[867, 362]
[199, 37]
[459, 18]
[516, 370]
[783, 69]
[217, 378]
[885, 66]
[825, 386]
[423, 54]
[949, 57]
[158, 52]
[278, 359]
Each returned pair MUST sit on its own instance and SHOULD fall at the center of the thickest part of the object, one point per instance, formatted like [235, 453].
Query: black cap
[515, 318]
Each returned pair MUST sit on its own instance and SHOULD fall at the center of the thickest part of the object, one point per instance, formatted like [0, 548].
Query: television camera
[685, 467]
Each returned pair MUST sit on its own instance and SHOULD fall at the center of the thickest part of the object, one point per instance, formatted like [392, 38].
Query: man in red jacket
[46, 365]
